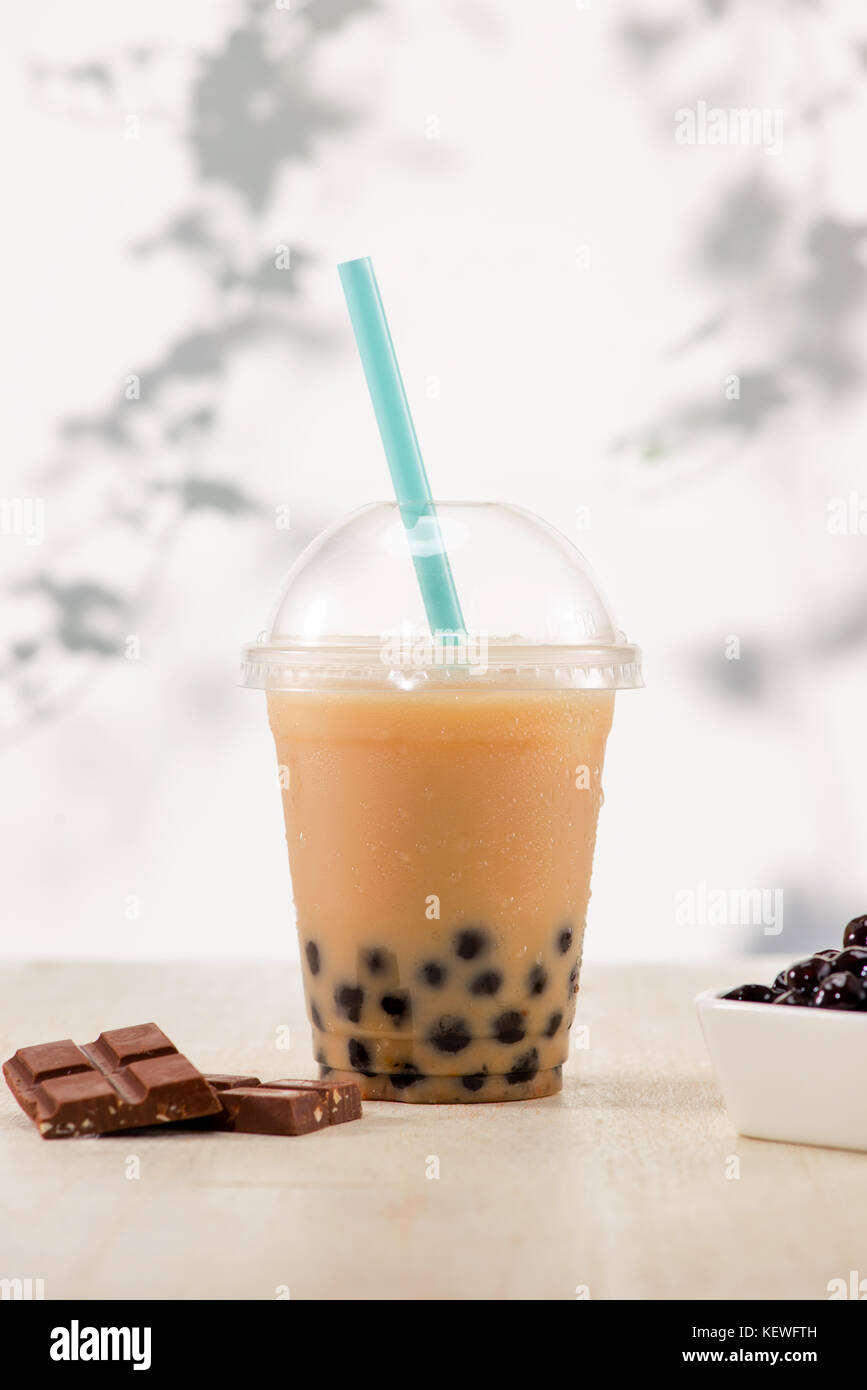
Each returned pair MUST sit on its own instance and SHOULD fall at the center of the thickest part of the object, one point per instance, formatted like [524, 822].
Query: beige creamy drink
[440, 846]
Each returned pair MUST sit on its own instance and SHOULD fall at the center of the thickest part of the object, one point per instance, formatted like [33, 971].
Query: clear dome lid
[351, 608]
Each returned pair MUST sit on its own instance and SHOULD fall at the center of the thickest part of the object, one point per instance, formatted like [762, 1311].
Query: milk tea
[440, 848]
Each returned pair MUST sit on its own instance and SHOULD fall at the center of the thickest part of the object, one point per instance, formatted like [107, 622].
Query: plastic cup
[441, 800]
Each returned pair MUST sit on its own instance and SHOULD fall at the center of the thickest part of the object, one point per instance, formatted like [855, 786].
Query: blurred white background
[589, 314]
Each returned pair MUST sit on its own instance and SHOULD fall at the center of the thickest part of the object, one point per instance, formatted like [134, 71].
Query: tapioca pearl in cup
[359, 1057]
[397, 1006]
[486, 982]
[474, 1082]
[450, 1034]
[509, 1027]
[553, 1024]
[537, 980]
[572, 987]
[564, 938]
[386, 1049]
[470, 942]
[349, 1001]
[408, 1075]
[433, 974]
[316, 1018]
[374, 959]
[379, 967]
[314, 959]
[524, 1068]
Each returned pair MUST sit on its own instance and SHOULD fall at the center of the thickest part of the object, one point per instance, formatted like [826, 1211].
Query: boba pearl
[316, 1017]
[840, 991]
[374, 960]
[313, 958]
[553, 1024]
[487, 983]
[537, 980]
[564, 940]
[752, 994]
[395, 1005]
[474, 1082]
[359, 1056]
[524, 1069]
[470, 942]
[406, 1077]
[793, 996]
[349, 1000]
[806, 975]
[509, 1027]
[450, 1034]
[856, 932]
[854, 959]
[433, 973]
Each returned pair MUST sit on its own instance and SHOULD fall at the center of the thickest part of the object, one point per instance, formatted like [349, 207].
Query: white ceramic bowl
[789, 1073]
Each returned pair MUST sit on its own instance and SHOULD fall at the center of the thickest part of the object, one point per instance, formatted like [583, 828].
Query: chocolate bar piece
[225, 1083]
[343, 1098]
[283, 1107]
[272, 1110]
[128, 1078]
[219, 1083]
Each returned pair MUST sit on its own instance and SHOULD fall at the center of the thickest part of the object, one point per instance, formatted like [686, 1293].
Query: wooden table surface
[622, 1186]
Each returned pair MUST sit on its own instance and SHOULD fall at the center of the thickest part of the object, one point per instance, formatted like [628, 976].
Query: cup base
[451, 1090]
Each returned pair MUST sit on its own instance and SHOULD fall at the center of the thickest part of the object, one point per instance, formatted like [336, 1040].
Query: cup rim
[289, 664]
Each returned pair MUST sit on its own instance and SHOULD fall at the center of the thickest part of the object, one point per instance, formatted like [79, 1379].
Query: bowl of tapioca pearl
[833, 978]
[791, 1056]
